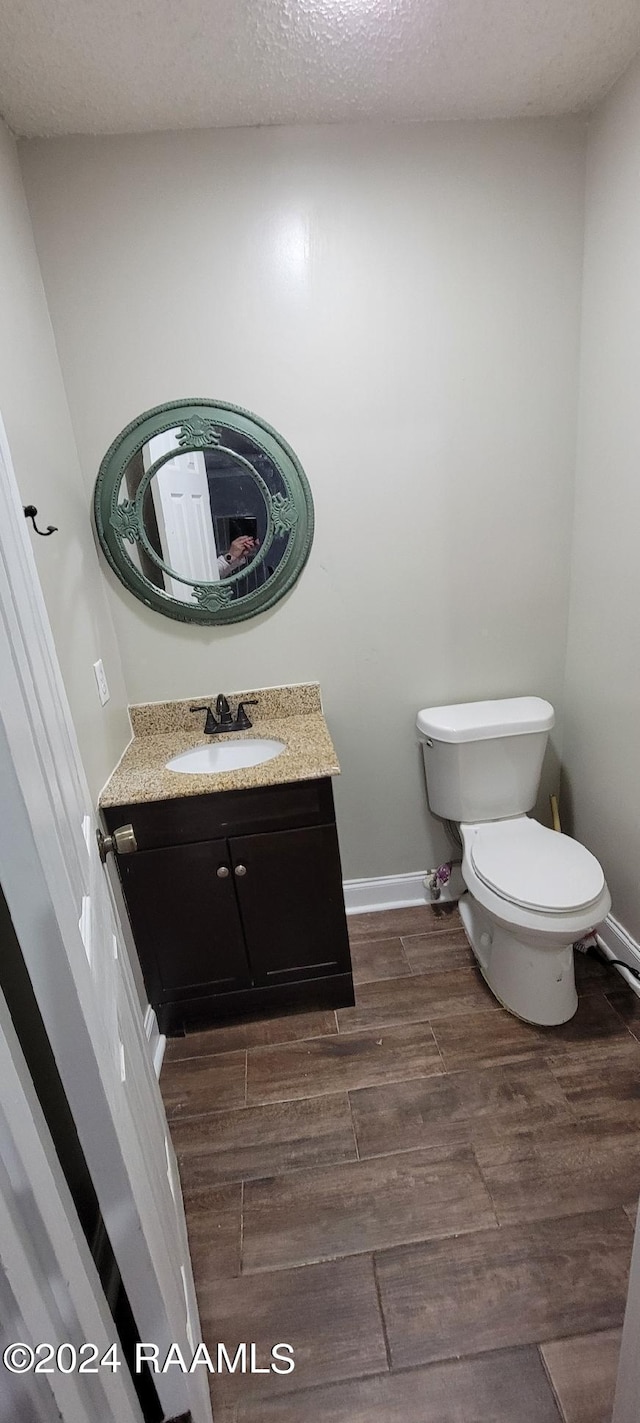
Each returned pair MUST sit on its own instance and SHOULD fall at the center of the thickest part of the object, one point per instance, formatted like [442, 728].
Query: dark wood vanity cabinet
[236, 905]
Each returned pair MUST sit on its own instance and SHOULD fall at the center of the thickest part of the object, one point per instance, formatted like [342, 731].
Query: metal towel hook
[30, 512]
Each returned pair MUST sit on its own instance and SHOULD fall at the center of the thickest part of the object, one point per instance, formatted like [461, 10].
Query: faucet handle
[211, 725]
[242, 720]
[224, 711]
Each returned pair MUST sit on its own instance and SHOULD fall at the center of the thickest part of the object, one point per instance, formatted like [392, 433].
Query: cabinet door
[185, 919]
[289, 887]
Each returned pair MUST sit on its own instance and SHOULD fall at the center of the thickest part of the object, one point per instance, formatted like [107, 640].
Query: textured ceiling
[118, 66]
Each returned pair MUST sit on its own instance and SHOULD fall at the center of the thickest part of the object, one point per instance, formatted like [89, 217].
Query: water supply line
[437, 879]
[593, 944]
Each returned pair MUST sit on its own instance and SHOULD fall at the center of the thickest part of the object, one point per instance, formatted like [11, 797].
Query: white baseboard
[616, 942]
[156, 1040]
[362, 896]
[368, 896]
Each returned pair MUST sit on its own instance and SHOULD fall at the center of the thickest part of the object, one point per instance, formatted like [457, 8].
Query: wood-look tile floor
[431, 1201]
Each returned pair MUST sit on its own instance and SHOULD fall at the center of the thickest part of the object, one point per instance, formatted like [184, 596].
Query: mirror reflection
[203, 512]
[204, 516]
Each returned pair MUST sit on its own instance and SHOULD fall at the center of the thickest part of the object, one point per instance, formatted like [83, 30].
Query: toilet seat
[537, 869]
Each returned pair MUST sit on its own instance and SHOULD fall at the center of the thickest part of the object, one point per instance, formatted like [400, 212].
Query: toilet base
[535, 982]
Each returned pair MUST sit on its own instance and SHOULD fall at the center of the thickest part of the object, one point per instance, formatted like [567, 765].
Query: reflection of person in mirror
[239, 554]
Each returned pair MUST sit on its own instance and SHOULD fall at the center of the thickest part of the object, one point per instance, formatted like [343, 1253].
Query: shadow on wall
[550, 780]
[566, 801]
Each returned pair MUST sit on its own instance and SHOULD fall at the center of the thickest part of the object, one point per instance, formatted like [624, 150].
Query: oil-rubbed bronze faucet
[227, 722]
[224, 712]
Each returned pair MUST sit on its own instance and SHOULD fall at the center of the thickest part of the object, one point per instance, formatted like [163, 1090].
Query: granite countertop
[162, 730]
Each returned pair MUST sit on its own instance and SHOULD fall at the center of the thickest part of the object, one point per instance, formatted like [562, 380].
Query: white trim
[87, 1009]
[156, 1040]
[370, 896]
[362, 896]
[158, 1053]
[627, 1397]
[616, 942]
[50, 1285]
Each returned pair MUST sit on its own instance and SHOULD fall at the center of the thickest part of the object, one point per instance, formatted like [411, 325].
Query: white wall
[403, 304]
[36, 415]
[602, 737]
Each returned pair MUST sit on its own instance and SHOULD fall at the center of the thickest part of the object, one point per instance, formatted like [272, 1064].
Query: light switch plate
[102, 684]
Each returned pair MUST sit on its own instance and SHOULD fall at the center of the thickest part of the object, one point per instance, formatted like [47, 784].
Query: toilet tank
[483, 759]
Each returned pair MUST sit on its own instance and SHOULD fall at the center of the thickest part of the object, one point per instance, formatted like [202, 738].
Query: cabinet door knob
[222, 872]
[241, 869]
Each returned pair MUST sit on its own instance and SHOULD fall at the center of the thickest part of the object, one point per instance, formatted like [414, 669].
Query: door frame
[38, 1221]
[627, 1399]
[35, 877]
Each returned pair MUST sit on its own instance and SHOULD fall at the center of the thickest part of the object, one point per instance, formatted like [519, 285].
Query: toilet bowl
[531, 894]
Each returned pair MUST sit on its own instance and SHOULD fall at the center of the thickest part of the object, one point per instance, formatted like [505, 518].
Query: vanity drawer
[192, 818]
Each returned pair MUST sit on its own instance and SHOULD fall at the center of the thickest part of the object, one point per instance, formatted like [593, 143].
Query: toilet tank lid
[483, 721]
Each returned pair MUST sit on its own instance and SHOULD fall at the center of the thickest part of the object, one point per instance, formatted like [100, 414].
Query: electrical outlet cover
[101, 682]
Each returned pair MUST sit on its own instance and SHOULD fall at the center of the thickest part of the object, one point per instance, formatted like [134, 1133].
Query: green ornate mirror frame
[211, 488]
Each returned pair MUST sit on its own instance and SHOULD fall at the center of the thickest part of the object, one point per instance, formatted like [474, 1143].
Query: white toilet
[532, 892]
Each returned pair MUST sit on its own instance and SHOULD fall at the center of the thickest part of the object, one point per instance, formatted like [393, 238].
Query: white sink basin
[225, 755]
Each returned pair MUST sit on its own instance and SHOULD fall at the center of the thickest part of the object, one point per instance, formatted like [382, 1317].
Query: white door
[59, 902]
[180, 492]
[627, 1400]
[62, 1305]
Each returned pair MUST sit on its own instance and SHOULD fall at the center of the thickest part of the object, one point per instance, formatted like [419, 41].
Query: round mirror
[203, 511]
